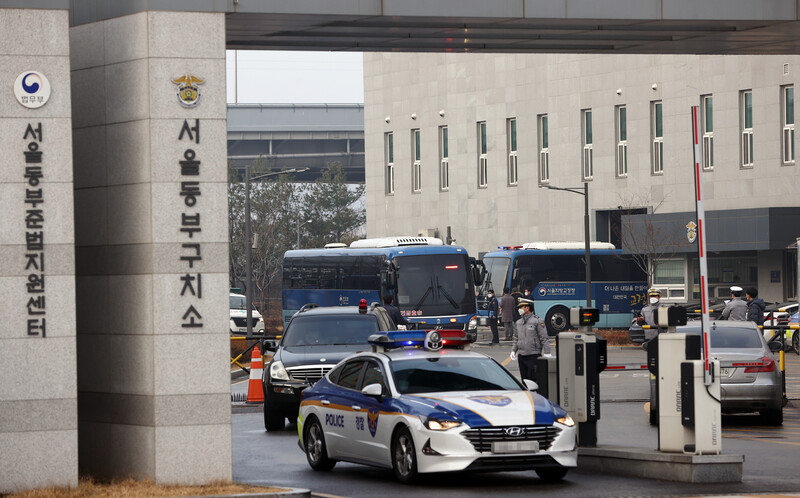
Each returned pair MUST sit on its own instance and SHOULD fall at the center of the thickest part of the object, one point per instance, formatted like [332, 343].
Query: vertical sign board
[189, 164]
[32, 90]
[701, 247]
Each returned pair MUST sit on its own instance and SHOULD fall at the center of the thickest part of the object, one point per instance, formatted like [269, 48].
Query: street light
[585, 193]
[249, 238]
[298, 231]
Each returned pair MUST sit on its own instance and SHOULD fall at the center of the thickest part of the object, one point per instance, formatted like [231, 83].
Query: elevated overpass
[529, 26]
[298, 136]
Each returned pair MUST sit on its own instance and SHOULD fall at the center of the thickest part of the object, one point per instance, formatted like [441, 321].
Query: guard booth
[688, 411]
[581, 356]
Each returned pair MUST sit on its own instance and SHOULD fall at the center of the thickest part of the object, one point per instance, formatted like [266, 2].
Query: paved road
[771, 453]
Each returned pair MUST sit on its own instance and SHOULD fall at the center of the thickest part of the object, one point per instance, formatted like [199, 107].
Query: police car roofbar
[417, 338]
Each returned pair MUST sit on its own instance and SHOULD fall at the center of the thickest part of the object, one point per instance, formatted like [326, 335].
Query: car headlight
[277, 372]
[473, 323]
[566, 420]
[436, 424]
[261, 319]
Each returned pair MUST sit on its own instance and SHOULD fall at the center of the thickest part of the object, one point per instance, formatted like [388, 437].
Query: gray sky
[281, 77]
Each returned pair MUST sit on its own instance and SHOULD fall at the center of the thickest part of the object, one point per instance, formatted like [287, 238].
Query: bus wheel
[557, 320]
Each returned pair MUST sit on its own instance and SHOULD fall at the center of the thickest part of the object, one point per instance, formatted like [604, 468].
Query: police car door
[371, 417]
[338, 417]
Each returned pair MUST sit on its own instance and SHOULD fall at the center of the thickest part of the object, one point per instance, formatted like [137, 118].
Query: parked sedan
[426, 410]
[750, 380]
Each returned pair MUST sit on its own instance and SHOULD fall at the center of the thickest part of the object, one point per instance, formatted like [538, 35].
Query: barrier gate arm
[235, 361]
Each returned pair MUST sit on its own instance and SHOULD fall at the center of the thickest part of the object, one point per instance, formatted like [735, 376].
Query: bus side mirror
[478, 271]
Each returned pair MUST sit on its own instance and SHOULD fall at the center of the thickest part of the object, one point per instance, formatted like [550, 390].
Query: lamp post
[248, 233]
[299, 224]
[585, 193]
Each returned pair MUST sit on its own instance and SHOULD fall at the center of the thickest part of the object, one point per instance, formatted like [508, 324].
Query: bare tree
[644, 238]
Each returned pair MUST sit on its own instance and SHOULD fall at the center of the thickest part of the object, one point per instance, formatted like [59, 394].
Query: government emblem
[188, 89]
[372, 420]
[492, 400]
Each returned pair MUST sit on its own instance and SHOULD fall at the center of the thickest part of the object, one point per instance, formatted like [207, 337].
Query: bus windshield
[496, 274]
[434, 284]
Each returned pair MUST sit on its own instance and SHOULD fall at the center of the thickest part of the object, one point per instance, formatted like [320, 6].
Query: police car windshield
[329, 330]
[442, 374]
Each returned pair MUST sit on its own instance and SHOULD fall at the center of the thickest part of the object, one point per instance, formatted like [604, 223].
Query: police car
[420, 402]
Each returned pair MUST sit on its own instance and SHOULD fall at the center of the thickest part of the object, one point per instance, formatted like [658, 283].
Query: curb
[289, 492]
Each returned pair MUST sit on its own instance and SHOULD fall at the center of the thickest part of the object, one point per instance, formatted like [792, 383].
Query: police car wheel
[404, 456]
[316, 451]
[551, 475]
[796, 341]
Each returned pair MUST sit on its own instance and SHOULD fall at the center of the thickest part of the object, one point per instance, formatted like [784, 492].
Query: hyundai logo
[514, 431]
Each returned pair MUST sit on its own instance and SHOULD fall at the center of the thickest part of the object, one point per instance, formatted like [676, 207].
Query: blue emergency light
[428, 339]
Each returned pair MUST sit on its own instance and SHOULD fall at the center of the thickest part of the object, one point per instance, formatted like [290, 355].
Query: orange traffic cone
[255, 390]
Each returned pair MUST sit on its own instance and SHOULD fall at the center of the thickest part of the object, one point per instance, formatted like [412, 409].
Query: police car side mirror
[531, 385]
[374, 390]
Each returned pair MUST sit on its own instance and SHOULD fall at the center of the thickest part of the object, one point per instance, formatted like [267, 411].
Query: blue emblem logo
[372, 420]
[32, 87]
[491, 400]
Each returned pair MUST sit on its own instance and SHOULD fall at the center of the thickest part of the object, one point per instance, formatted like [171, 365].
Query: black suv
[315, 340]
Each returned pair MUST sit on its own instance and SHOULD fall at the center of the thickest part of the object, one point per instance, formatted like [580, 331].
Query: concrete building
[466, 141]
[113, 179]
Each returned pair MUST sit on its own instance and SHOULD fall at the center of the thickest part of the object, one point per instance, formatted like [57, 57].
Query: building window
[544, 149]
[746, 125]
[669, 275]
[586, 140]
[707, 115]
[787, 118]
[621, 122]
[388, 152]
[657, 136]
[482, 161]
[444, 164]
[513, 172]
[416, 167]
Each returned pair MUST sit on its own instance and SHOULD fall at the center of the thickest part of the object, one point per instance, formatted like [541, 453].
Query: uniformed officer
[648, 314]
[530, 340]
[736, 308]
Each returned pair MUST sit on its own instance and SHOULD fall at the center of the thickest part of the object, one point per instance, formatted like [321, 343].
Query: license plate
[725, 372]
[515, 446]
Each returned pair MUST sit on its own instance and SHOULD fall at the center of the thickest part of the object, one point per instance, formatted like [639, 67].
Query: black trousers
[527, 366]
[493, 326]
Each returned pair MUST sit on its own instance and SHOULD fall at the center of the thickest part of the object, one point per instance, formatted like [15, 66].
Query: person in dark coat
[755, 306]
[394, 313]
[494, 310]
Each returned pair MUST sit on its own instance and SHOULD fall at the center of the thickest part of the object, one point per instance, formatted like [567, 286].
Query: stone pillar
[38, 389]
[151, 246]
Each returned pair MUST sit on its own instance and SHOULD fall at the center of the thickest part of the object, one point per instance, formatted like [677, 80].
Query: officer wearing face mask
[647, 315]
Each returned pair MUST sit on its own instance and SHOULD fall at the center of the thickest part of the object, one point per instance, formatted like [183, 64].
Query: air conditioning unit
[427, 232]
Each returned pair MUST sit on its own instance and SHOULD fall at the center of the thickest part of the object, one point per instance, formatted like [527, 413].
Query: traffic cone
[255, 390]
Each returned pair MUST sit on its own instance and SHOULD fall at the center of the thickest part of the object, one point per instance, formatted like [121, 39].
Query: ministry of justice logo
[32, 89]
[188, 89]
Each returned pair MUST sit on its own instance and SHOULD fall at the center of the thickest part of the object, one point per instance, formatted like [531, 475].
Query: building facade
[466, 141]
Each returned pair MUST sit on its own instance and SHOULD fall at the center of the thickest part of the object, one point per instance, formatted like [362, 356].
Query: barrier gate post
[581, 357]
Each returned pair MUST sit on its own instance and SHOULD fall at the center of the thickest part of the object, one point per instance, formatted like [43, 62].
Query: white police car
[435, 409]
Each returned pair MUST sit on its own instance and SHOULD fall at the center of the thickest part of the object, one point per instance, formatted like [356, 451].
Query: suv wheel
[274, 420]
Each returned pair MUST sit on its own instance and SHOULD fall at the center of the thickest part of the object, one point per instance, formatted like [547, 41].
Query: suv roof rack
[308, 306]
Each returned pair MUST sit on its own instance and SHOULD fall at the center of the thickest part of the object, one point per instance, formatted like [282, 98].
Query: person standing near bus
[736, 308]
[493, 308]
[507, 313]
[530, 340]
[394, 312]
